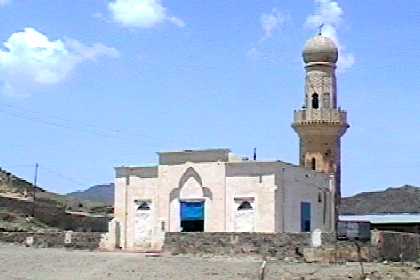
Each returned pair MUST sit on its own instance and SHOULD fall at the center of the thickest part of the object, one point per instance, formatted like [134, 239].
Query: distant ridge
[405, 199]
[100, 193]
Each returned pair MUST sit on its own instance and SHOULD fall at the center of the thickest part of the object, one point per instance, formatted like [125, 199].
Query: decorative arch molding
[191, 182]
[188, 174]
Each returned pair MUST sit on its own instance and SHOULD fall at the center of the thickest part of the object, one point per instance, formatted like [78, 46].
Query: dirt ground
[21, 263]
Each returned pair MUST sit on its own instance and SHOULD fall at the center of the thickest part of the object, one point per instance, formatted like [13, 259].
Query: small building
[216, 191]
[400, 222]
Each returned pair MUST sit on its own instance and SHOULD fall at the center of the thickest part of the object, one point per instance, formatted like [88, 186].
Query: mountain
[405, 199]
[100, 193]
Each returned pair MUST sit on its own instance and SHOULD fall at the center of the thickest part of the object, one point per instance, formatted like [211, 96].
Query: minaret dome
[320, 49]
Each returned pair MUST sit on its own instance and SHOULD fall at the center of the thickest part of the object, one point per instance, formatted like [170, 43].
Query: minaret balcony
[333, 116]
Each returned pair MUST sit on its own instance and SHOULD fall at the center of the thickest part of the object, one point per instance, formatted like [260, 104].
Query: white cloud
[272, 22]
[141, 13]
[330, 14]
[30, 59]
[4, 2]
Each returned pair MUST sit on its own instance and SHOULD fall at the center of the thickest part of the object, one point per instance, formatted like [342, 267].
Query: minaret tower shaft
[320, 123]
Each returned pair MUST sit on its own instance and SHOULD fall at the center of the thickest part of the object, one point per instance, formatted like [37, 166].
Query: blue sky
[89, 85]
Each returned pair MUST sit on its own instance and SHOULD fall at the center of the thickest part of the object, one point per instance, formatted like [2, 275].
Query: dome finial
[320, 29]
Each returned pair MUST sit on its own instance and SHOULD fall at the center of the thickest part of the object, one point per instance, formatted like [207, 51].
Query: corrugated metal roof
[383, 218]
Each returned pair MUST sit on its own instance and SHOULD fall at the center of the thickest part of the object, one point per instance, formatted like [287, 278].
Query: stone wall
[397, 246]
[391, 246]
[55, 216]
[384, 245]
[275, 245]
[341, 252]
[75, 240]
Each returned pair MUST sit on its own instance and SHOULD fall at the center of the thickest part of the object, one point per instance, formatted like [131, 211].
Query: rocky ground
[20, 263]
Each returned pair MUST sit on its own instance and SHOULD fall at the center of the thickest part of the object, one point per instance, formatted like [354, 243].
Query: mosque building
[216, 191]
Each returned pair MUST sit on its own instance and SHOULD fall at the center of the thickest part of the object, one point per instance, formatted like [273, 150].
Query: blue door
[305, 216]
[191, 211]
[192, 216]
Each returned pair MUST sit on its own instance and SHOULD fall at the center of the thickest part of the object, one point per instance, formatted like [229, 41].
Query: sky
[87, 85]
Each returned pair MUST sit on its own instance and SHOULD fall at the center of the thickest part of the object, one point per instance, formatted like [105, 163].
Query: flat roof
[400, 218]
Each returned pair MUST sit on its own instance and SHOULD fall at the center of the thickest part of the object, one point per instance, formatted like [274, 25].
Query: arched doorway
[189, 203]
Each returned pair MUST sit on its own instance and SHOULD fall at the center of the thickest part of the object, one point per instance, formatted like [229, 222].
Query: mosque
[216, 191]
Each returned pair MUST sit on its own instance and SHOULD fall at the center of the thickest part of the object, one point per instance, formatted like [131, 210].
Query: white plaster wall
[119, 206]
[142, 189]
[305, 186]
[261, 188]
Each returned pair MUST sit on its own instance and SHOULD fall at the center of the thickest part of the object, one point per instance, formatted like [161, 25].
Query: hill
[98, 193]
[49, 211]
[405, 199]
[10, 183]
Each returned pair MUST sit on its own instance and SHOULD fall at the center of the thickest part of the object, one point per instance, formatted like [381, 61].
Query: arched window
[313, 164]
[245, 205]
[144, 206]
[315, 101]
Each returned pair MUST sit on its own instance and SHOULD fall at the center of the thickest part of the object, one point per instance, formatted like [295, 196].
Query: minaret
[320, 123]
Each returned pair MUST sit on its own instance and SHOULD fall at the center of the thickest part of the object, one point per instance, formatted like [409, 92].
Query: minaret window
[315, 101]
[313, 164]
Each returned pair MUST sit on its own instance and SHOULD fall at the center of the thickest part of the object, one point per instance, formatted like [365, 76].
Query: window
[313, 164]
[245, 205]
[144, 206]
[315, 101]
